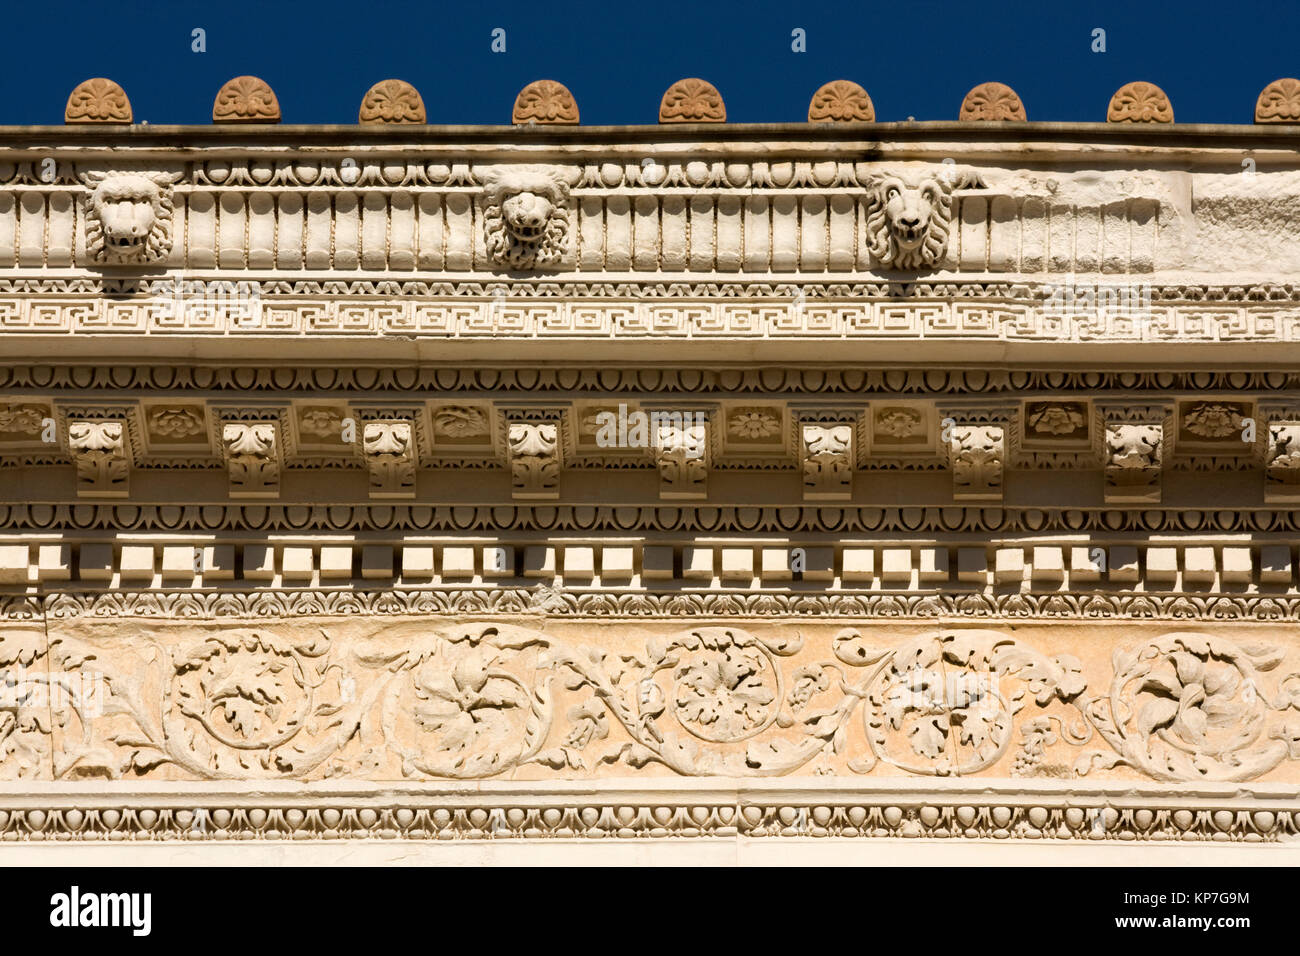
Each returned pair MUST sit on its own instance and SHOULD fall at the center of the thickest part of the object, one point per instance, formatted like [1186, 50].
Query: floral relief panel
[527, 699]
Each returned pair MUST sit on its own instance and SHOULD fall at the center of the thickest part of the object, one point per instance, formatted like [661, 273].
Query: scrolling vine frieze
[421, 700]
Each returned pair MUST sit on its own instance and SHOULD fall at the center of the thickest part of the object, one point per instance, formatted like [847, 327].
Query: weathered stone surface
[778, 490]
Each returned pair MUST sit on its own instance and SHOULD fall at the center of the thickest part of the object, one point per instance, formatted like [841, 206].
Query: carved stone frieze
[426, 700]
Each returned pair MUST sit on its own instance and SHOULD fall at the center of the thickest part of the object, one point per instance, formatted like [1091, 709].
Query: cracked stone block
[1086, 564]
[1009, 565]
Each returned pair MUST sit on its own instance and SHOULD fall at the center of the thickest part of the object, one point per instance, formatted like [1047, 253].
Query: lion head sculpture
[129, 216]
[907, 225]
[525, 216]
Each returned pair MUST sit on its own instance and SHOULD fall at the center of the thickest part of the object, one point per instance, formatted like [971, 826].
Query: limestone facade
[837, 479]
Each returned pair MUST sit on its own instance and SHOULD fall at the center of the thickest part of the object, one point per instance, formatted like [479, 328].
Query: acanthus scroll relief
[433, 700]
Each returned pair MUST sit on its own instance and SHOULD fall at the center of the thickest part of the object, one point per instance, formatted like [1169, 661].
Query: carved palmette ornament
[1279, 102]
[546, 102]
[992, 102]
[692, 100]
[392, 101]
[246, 99]
[128, 215]
[97, 100]
[1140, 102]
[526, 216]
[841, 101]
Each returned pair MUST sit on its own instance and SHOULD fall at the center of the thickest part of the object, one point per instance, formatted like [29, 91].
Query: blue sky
[915, 57]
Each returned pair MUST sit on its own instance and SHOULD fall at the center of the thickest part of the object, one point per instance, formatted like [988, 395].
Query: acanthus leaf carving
[100, 451]
[681, 447]
[389, 451]
[534, 459]
[1134, 458]
[978, 455]
[827, 453]
[252, 453]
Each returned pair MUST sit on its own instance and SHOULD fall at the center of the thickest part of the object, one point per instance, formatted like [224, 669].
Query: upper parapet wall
[871, 199]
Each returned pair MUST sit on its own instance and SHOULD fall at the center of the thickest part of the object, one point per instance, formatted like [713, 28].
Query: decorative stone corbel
[99, 450]
[826, 451]
[977, 454]
[1134, 458]
[976, 443]
[389, 451]
[1282, 464]
[534, 459]
[681, 453]
[252, 453]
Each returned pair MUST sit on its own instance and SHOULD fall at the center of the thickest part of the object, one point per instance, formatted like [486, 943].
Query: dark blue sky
[915, 57]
